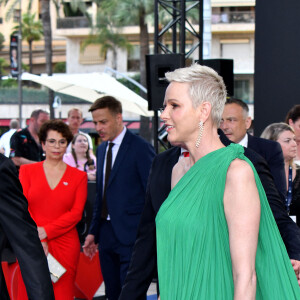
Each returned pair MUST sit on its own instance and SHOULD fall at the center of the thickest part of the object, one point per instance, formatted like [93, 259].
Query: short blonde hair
[205, 85]
[273, 131]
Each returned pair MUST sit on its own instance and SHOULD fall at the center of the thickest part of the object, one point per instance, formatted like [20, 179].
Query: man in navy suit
[235, 123]
[120, 196]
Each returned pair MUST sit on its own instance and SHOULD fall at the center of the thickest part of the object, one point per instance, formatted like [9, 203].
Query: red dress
[58, 211]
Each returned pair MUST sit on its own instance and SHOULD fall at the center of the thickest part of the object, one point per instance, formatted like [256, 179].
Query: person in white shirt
[5, 138]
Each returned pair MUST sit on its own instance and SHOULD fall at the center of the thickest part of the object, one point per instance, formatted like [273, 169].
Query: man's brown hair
[114, 106]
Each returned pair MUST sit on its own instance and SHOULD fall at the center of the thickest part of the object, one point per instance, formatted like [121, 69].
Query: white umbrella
[91, 87]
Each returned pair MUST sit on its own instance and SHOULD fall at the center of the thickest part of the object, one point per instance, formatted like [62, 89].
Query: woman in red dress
[56, 196]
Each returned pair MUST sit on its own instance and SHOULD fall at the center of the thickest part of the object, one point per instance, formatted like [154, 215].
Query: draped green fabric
[193, 253]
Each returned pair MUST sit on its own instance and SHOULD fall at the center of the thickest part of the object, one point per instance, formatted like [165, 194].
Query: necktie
[186, 154]
[104, 212]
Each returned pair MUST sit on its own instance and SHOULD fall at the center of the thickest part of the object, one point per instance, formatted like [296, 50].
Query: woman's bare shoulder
[239, 170]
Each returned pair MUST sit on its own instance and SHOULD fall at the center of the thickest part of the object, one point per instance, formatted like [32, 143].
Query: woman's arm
[242, 211]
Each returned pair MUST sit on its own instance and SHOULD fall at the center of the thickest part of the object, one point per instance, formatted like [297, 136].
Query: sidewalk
[151, 294]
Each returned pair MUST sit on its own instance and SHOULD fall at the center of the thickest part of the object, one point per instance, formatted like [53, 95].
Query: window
[242, 89]
[91, 55]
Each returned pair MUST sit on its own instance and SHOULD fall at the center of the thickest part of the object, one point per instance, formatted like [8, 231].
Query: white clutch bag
[55, 268]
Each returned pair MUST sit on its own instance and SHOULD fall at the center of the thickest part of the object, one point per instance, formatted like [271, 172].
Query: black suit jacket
[143, 262]
[18, 228]
[271, 151]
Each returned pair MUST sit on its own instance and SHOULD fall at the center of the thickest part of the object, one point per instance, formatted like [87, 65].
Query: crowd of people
[211, 218]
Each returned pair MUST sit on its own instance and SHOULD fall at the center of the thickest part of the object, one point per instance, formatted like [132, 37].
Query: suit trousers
[114, 260]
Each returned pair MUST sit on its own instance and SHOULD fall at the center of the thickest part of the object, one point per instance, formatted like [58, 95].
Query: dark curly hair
[55, 125]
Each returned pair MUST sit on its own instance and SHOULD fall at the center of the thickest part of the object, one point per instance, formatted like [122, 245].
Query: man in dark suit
[143, 263]
[18, 228]
[120, 195]
[235, 123]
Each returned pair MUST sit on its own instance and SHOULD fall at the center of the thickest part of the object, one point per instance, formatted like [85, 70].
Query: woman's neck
[54, 164]
[209, 143]
[81, 156]
[287, 164]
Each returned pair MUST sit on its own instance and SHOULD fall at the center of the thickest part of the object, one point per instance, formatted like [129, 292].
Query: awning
[91, 87]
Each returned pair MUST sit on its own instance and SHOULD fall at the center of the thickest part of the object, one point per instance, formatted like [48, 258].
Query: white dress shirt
[244, 141]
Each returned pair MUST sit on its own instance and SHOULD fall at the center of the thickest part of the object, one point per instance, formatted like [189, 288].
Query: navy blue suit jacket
[126, 187]
[271, 151]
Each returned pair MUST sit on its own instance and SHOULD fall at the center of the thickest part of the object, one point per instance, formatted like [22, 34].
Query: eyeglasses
[61, 143]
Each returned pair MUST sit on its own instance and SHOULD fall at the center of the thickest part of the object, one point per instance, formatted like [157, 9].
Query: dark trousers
[114, 260]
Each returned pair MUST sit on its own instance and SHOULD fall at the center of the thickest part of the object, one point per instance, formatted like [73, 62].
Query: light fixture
[56, 102]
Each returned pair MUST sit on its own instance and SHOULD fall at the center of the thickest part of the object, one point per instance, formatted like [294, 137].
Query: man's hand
[89, 247]
[296, 267]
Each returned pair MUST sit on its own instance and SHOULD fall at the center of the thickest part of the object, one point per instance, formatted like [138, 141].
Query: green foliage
[32, 29]
[3, 64]
[60, 67]
[9, 95]
[107, 33]
[8, 83]
[129, 11]
[2, 39]
[130, 85]
[76, 8]
[25, 67]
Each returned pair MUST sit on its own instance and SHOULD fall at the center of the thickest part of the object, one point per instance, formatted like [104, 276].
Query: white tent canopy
[91, 87]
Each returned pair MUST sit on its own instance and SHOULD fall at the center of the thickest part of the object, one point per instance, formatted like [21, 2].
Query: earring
[201, 128]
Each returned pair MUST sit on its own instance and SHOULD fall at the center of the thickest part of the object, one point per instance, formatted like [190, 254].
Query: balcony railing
[72, 22]
[233, 17]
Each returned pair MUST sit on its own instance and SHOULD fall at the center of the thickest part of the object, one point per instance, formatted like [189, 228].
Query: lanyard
[288, 198]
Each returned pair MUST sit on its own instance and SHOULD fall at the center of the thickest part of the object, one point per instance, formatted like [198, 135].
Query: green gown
[193, 253]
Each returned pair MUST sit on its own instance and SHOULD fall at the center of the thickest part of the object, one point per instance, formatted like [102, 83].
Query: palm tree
[106, 33]
[32, 30]
[46, 21]
[47, 35]
[3, 64]
[45, 13]
[136, 12]
[2, 39]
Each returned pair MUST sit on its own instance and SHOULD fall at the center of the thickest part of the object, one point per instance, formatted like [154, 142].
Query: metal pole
[201, 24]
[182, 28]
[156, 38]
[174, 29]
[156, 30]
[20, 64]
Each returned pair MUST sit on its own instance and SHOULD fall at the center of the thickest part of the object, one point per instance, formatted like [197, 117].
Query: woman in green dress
[216, 235]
